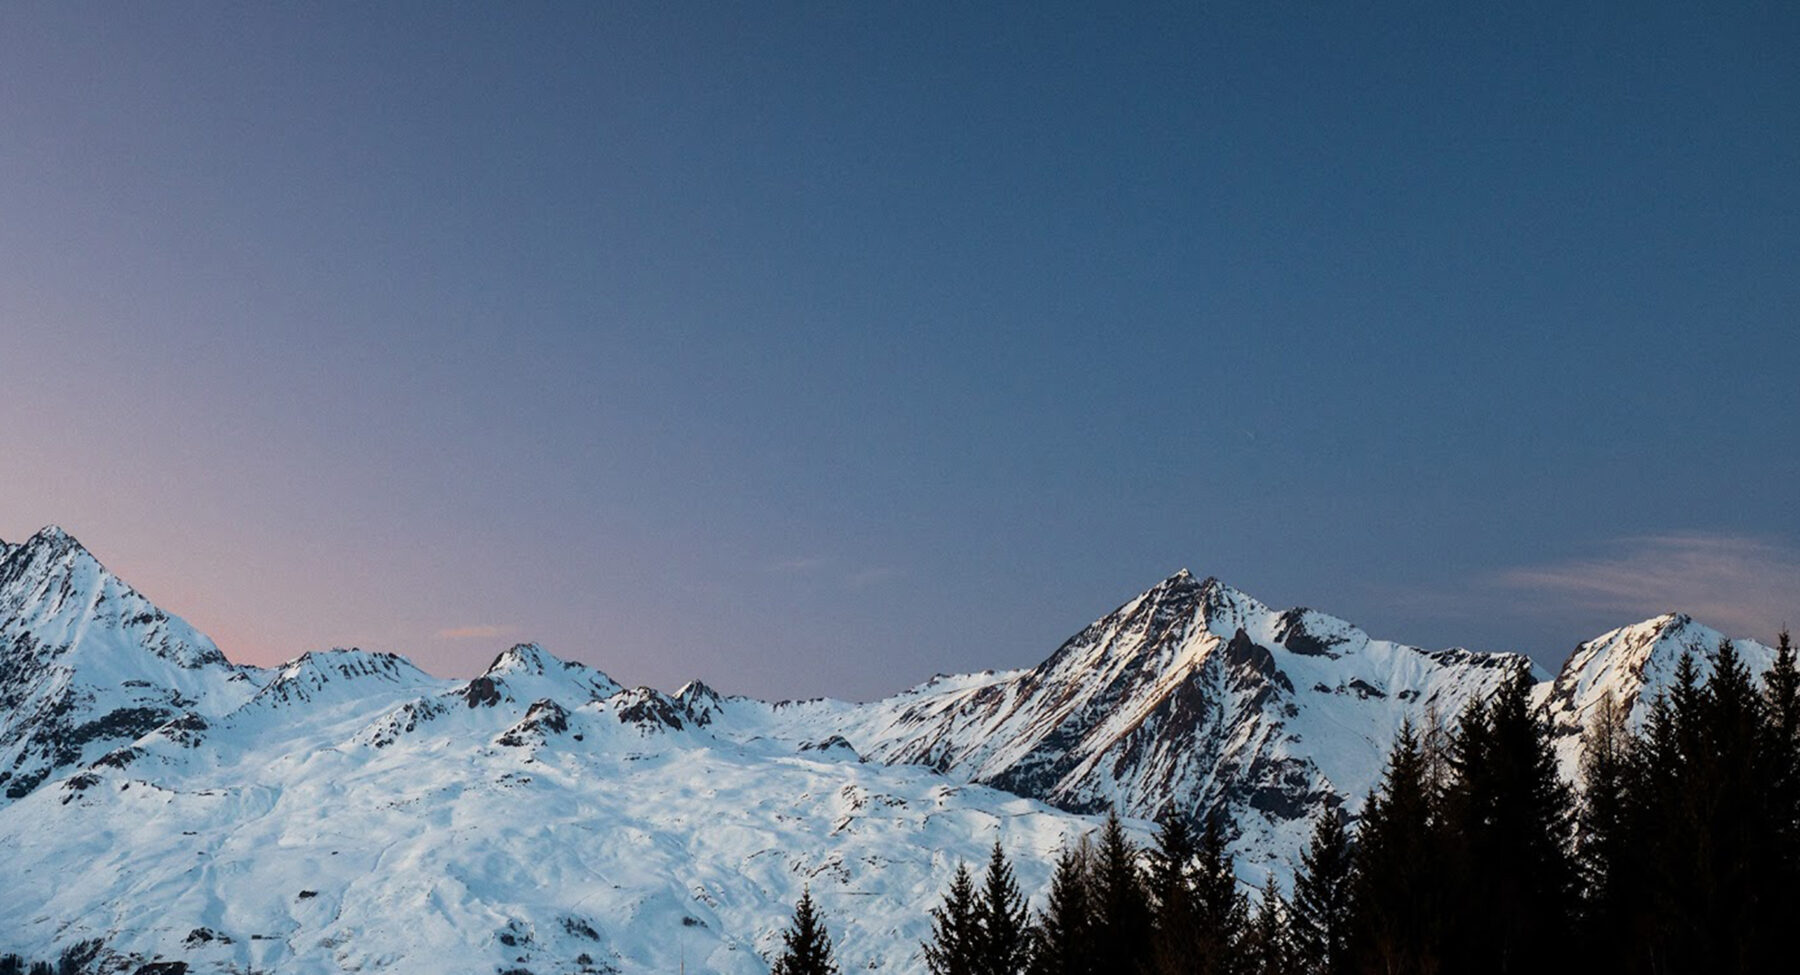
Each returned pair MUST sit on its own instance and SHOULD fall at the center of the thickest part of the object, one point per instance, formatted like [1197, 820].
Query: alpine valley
[350, 812]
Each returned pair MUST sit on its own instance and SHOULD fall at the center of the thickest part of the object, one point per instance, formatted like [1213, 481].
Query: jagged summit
[88, 664]
[56, 598]
[54, 537]
[1192, 695]
[701, 702]
[529, 658]
[528, 672]
[46, 548]
[335, 674]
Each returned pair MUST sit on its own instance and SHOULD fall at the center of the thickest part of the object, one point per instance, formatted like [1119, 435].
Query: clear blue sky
[820, 349]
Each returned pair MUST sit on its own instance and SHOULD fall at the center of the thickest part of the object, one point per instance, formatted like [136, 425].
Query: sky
[819, 348]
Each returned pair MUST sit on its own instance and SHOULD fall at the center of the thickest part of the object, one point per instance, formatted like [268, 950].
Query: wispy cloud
[482, 631]
[1744, 585]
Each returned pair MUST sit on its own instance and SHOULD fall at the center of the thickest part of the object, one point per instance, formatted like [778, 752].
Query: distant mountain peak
[337, 673]
[1632, 665]
[87, 663]
[696, 690]
[527, 658]
[533, 672]
[54, 590]
[52, 542]
[1182, 583]
[42, 554]
[54, 533]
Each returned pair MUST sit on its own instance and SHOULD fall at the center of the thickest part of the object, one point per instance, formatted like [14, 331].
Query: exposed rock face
[1193, 698]
[88, 665]
[545, 718]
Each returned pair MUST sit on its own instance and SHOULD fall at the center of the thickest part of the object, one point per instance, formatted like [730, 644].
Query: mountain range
[347, 811]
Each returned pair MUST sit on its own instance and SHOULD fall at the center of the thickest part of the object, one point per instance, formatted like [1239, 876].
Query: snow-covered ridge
[349, 811]
[1193, 697]
[87, 663]
[1632, 665]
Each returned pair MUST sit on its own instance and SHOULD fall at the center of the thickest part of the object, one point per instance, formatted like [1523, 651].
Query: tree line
[76, 959]
[1680, 853]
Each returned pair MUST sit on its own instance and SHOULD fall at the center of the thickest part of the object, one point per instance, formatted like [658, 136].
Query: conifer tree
[1175, 926]
[1508, 815]
[1736, 814]
[1221, 909]
[1780, 897]
[1675, 792]
[1781, 692]
[955, 942]
[1062, 940]
[1396, 891]
[1321, 909]
[1004, 944]
[807, 948]
[1605, 856]
[1121, 932]
[1657, 799]
[1267, 948]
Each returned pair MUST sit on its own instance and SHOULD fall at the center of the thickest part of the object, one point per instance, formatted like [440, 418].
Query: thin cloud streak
[1741, 584]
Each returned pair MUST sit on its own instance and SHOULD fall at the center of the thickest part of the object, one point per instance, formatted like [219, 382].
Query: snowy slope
[488, 832]
[1632, 664]
[1193, 697]
[349, 812]
[88, 664]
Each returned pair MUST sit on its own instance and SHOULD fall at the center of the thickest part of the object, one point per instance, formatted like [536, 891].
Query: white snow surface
[1632, 665]
[349, 812]
[1194, 697]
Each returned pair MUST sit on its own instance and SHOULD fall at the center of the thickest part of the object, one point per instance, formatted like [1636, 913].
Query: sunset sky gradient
[819, 350]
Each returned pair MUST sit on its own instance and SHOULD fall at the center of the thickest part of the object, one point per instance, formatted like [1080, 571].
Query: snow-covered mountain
[88, 664]
[348, 811]
[1192, 698]
[1632, 665]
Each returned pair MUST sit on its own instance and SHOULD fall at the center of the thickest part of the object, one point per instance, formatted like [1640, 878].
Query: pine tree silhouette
[1321, 908]
[1062, 939]
[1004, 944]
[1510, 817]
[1397, 892]
[1175, 928]
[1606, 857]
[955, 929]
[1121, 932]
[1267, 948]
[1779, 899]
[807, 945]
[1221, 911]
